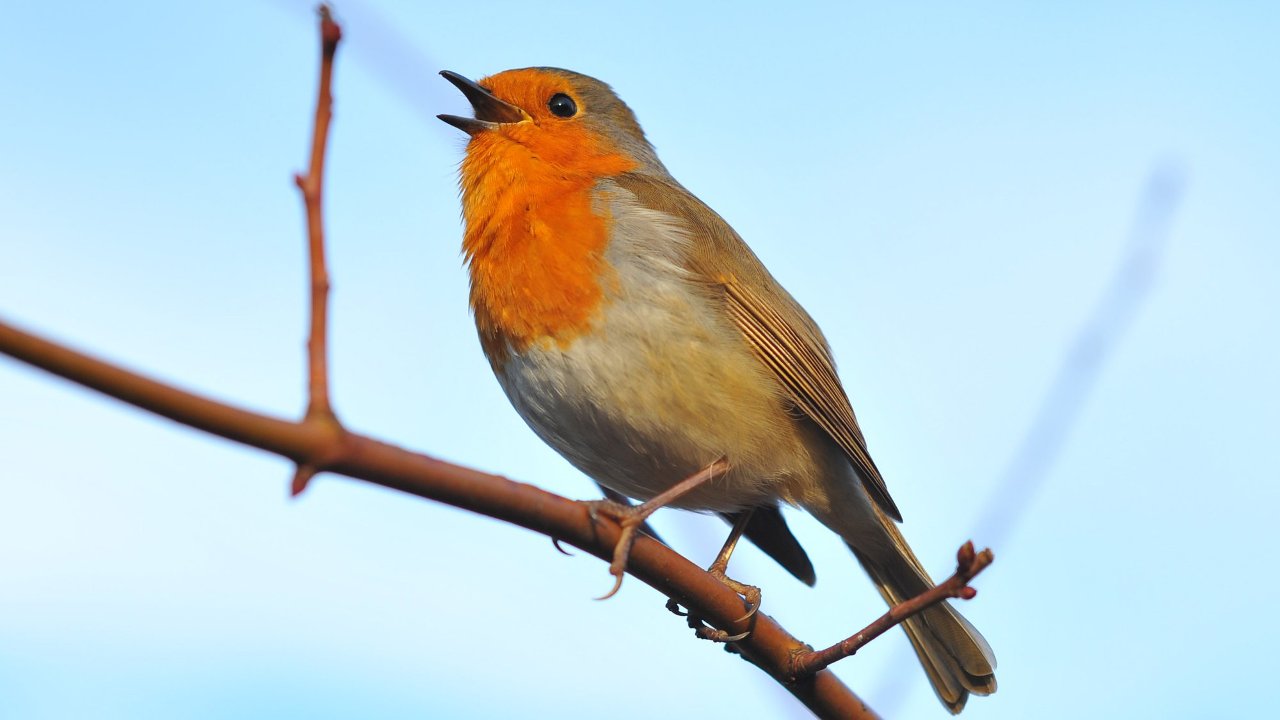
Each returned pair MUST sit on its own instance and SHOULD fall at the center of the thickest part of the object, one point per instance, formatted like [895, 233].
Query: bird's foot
[751, 597]
[631, 519]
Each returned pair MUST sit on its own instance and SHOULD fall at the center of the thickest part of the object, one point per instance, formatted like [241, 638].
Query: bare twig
[312, 187]
[968, 565]
[319, 408]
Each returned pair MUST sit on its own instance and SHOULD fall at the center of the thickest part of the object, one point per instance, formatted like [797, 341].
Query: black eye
[562, 105]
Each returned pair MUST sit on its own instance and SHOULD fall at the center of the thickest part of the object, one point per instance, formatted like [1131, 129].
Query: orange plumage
[533, 243]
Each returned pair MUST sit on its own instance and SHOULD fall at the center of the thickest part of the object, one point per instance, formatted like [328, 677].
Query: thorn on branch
[300, 479]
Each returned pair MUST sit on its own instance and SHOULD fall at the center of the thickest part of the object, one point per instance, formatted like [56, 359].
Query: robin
[640, 337]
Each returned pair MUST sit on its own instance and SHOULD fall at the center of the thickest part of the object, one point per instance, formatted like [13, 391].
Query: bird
[638, 335]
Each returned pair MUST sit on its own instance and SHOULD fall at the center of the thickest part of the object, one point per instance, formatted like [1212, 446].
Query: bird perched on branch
[640, 337]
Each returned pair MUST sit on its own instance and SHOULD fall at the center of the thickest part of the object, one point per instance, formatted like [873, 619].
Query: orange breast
[534, 246]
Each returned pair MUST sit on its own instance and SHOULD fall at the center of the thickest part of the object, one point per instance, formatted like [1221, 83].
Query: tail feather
[955, 656]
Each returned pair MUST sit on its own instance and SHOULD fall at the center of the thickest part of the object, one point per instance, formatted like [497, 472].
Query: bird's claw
[556, 541]
[751, 594]
[630, 519]
[617, 585]
[706, 632]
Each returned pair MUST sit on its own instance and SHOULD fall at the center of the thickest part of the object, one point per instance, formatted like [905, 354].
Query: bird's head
[573, 123]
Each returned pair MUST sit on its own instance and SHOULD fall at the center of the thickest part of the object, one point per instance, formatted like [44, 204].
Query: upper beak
[490, 111]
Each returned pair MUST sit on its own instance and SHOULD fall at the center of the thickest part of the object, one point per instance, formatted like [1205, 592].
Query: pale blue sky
[948, 188]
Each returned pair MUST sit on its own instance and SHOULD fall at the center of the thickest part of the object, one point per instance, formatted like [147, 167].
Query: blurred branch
[1084, 362]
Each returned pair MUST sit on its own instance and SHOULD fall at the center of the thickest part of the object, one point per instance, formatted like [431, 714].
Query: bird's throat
[534, 245]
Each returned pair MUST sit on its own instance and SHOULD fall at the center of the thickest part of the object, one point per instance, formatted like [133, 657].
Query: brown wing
[780, 332]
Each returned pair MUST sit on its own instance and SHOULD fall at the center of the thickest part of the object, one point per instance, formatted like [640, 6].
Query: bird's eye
[562, 105]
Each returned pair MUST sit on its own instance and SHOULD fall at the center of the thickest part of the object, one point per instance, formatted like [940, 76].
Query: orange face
[535, 236]
[555, 130]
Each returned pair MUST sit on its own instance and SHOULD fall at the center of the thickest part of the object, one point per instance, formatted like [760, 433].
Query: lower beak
[490, 111]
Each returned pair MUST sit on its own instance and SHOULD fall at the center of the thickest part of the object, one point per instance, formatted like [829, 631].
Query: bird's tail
[954, 654]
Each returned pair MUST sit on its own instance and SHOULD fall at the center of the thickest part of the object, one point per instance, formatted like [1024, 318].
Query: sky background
[948, 188]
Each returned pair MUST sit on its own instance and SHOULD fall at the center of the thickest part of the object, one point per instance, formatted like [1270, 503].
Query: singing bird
[638, 335]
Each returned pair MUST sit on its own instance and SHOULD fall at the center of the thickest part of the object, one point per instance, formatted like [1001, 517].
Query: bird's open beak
[490, 111]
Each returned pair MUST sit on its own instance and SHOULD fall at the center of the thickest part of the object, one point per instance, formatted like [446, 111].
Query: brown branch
[319, 408]
[312, 187]
[968, 565]
[315, 445]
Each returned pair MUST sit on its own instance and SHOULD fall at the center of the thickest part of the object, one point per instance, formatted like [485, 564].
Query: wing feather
[774, 325]
[811, 381]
